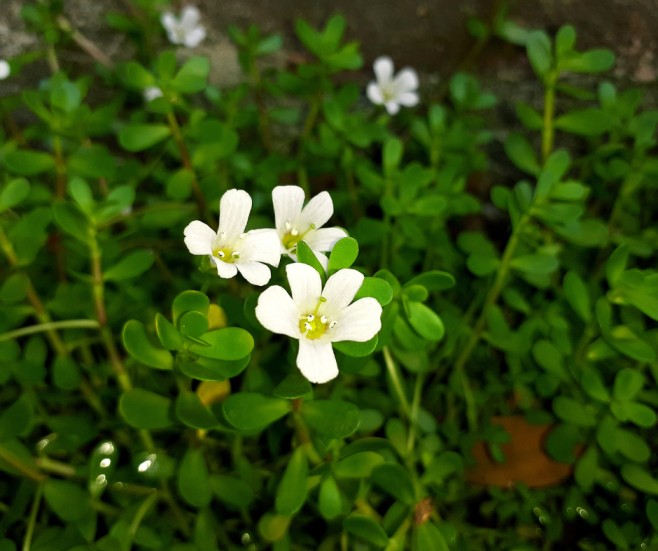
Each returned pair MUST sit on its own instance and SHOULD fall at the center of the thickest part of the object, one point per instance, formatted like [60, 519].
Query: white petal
[358, 322]
[168, 21]
[406, 81]
[340, 290]
[383, 67]
[277, 312]
[392, 107]
[305, 286]
[224, 269]
[288, 202]
[190, 17]
[5, 69]
[261, 246]
[408, 99]
[254, 272]
[194, 37]
[151, 93]
[316, 360]
[317, 211]
[234, 209]
[374, 93]
[199, 237]
[324, 239]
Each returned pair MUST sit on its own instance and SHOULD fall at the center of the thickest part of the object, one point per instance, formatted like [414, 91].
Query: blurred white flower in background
[151, 93]
[5, 69]
[185, 30]
[392, 91]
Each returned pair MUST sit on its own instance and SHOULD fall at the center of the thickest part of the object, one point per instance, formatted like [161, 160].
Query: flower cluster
[185, 30]
[314, 315]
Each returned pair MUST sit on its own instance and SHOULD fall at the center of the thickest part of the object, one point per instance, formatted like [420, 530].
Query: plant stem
[21, 467]
[49, 326]
[392, 370]
[548, 130]
[85, 44]
[32, 520]
[148, 502]
[309, 124]
[415, 407]
[187, 162]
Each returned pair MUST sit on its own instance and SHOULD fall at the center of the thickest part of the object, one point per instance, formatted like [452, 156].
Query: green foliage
[143, 405]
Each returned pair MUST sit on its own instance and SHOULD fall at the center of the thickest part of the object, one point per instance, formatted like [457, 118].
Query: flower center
[388, 93]
[226, 252]
[314, 325]
[294, 236]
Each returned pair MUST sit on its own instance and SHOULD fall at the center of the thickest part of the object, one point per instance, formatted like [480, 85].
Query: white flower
[151, 93]
[389, 91]
[294, 223]
[185, 30]
[318, 317]
[229, 247]
[5, 69]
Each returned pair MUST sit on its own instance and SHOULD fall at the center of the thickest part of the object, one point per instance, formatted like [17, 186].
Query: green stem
[49, 326]
[309, 124]
[415, 407]
[394, 375]
[187, 162]
[21, 467]
[548, 131]
[139, 516]
[31, 523]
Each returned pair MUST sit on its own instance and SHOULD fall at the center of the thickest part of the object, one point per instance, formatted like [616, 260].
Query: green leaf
[577, 295]
[28, 163]
[66, 499]
[145, 409]
[250, 411]
[167, 334]
[395, 481]
[330, 501]
[69, 218]
[442, 466]
[632, 446]
[295, 385]
[628, 383]
[615, 534]
[292, 490]
[193, 479]
[189, 301]
[434, 280]
[358, 465]
[14, 193]
[427, 537]
[574, 412]
[138, 344]
[377, 288]
[535, 264]
[639, 478]
[66, 373]
[538, 46]
[628, 343]
[357, 349]
[331, 418]
[232, 491]
[591, 61]
[132, 265]
[565, 39]
[586, 122]
[425, 321]
[616, 264]
[137, 137]
[366, 529]
[191, 412]
[586, 469]
[593, 385]
[16, 419]
[652, 513]
[228, 343]
[306, 256]
[208, 369]
[522, 154]
[193, 76]
[193, 325]
[549, 358]
[392, 155]
[343, 254]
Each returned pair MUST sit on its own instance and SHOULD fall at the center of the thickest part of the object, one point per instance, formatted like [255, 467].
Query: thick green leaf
[366, 529]
[69, 218]
[331, 418]
[376, 288]
[138, 344]
[425, 321]
[343, 254]
[145, 409]
[538, 47]
[191, 412]
[427, 537]
[306, 256]
[193, 324]
[228, 343]
[232, 491]
[16, 419]
[395, 481]
[357, 349]
[587, 122]
[132, 265]
[28, 163]
[574, 411]
[522, 154]
[442, 466]
[638, 477]
[628, 383]
[434, 280]
[208, 369]
[137, 137]
[295, 385]
[167, 334]
[330, 500]
[249, 411]
[193, 76]
[292, 490]
[13, 193]
[193, 479]
[188, 301]
[66, 499]
[535, 264]
[359, 465]
[577, 295]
